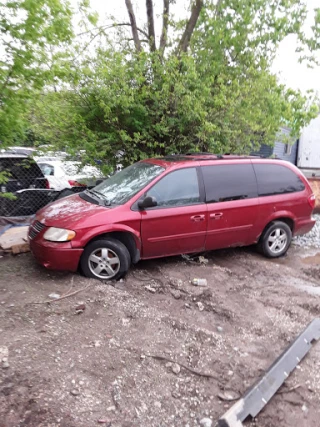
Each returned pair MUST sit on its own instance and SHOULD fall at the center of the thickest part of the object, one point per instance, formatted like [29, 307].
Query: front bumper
[56, 256]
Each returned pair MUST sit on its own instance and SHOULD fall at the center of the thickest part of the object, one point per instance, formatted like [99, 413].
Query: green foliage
[29, 31]
[219, 96]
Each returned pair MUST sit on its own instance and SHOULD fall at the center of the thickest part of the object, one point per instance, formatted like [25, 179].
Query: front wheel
[105, 259]
[275, 240]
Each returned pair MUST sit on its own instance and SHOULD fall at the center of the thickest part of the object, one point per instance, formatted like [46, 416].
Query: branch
[152, 39]
[191, 24]
[165, 24]
[107, 27]
[133, 24]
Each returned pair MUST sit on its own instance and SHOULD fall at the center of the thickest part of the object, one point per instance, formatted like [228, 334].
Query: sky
[286, 65]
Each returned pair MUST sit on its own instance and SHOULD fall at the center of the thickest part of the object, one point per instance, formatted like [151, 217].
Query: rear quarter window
[276, 179]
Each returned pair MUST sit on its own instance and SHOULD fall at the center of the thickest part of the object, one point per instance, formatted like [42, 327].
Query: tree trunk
[152, 37]
[165, 24]
[186, 36]
[133, 23]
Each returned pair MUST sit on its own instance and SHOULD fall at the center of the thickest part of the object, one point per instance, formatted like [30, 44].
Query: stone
[168, 365]
[150, 289]
[157, 405]
[111, 409]
[219, 328]
[206, 422]
[5, 364]
[176, 294]
[176, 368]
[75, 392]
[200, 306]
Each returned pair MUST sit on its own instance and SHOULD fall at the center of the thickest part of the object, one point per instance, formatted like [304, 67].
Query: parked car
[25, 181]
[174, 205]
[25, 151]
[68, 174]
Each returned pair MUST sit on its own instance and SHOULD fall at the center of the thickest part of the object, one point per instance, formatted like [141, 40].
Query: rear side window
[229, 182]
[276, 179]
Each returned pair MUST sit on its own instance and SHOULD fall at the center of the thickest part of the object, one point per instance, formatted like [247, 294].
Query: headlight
[54, 234]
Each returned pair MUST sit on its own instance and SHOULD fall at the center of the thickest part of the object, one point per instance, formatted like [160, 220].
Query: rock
[200, 306]
[304, 408]
[219, 328]
[80, 308]
[176, 368]
[229, 396]
[150, 289]
[230, 373]
[206, 422]
[103, 421]
[75, 392]
[111, 409]
[5, 364]
[4, 353]
[168, 365]
[157, 405]
[176, 294]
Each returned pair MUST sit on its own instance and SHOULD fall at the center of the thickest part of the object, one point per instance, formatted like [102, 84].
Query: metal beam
[258, 395]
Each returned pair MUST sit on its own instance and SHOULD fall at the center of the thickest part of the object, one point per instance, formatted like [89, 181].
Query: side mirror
[147, 202]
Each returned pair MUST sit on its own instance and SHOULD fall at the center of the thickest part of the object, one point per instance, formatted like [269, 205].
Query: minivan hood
[67, 212]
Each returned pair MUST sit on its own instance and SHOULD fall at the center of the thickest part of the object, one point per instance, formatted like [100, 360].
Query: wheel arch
[125, 237]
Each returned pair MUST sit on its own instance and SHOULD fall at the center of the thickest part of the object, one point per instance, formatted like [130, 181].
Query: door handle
[197, 218]
[216, 215]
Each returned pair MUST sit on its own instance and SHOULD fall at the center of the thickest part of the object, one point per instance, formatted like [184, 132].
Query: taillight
[76, 183]
[312, 201]
[47, 184]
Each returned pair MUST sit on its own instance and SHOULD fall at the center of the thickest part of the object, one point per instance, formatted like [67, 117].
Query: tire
[275, 240]
[105, 259]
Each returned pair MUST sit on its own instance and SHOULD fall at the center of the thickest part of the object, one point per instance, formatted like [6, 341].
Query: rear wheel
[105, 259]
[275, 240]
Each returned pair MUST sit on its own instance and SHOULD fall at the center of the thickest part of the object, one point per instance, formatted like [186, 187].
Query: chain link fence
[26, 185]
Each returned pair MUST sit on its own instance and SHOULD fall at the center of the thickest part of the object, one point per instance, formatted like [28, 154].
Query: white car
[68, 174]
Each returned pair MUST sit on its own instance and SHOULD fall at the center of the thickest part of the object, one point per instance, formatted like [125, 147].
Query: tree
[204, 84]
[29, 30]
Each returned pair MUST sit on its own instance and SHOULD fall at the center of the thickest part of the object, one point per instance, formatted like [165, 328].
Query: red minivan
[174, 205]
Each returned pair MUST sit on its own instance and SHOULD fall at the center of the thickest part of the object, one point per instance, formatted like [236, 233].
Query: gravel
[312, 239]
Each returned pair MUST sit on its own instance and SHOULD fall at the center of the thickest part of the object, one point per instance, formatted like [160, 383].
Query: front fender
[92, 233]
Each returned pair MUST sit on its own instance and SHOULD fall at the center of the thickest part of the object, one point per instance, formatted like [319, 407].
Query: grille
[35, 229]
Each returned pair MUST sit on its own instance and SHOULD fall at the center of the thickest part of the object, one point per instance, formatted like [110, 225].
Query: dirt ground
[103, 356]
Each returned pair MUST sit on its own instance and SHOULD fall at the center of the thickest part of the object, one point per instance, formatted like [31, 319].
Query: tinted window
[276, 179]
[178, 188]
[229, 182]
[20, 168]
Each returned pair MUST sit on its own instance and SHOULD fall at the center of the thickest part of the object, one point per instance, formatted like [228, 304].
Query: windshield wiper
[97, 193]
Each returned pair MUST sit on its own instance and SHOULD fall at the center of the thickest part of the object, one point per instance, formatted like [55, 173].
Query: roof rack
[224, 156]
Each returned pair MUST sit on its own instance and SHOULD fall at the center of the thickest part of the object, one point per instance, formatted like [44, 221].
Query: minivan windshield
[121, 187]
